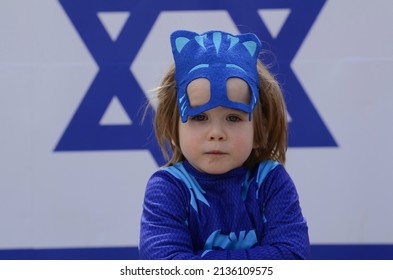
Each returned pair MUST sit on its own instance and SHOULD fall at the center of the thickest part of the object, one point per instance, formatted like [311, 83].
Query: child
[224, 194]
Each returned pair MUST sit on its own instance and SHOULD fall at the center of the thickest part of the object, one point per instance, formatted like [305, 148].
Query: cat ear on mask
[249, 40]
[180, 38]
[253, 46]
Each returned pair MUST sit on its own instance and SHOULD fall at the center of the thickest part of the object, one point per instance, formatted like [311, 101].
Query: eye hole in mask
[199, 92]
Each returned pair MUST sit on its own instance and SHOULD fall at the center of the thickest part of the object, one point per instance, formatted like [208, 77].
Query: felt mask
[216, 56]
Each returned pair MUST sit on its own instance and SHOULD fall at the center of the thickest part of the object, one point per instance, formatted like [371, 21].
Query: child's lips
[216, 152]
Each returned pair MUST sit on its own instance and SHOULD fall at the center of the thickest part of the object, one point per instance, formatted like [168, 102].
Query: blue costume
[242, 214]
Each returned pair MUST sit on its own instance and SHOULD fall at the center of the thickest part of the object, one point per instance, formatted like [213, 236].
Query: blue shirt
[242, 214]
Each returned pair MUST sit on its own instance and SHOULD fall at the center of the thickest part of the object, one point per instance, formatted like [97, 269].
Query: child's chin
[216, 170]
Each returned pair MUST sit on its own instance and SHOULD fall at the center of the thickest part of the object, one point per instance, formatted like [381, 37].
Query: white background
[93, 199]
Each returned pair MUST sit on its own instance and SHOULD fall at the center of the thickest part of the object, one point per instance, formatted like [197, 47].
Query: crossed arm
[165, 234]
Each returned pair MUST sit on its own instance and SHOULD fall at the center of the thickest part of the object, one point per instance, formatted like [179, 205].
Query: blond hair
[269, 120]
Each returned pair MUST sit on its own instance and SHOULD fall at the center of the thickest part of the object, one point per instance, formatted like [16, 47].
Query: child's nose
[217, 133]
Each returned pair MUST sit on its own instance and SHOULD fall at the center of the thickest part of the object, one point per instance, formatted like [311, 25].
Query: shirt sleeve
[286, 231]
[164, 232]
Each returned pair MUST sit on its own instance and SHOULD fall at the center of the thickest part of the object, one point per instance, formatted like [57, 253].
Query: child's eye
[234, 118]
[200, 117]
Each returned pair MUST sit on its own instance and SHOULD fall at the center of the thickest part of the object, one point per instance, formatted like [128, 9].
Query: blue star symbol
[114, 77]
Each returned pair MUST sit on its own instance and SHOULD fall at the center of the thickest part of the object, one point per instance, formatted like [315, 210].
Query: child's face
[221, 139]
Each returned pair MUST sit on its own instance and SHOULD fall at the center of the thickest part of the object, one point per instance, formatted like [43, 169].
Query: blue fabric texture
[242, 214]
[216, 56]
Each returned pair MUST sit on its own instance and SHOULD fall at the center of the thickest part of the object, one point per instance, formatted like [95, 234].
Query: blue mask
[216, 56]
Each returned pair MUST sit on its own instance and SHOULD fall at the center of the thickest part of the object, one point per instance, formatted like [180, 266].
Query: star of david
[114, 77]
